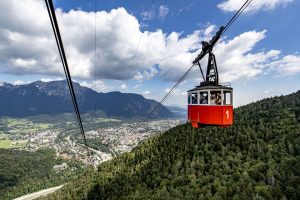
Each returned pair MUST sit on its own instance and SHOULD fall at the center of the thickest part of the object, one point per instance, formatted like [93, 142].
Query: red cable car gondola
[210, 103]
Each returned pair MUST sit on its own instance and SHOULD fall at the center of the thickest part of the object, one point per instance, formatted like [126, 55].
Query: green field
[43, 125]
[11, 122]
[22, 126]
[7, 144]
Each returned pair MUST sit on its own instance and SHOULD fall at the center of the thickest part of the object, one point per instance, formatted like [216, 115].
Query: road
[38, 194]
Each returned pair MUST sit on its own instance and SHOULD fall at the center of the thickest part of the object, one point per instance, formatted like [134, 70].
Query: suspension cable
[237, 14]
[168, 94]
[95, 56]
[54, 24]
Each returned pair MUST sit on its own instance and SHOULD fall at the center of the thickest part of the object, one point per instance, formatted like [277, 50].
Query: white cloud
[234, 5]
[124, 86]
[51, 79]
[288, 65]
[167, 90]
[98, 85]
[118, 34]
[145, 74]
[163, 10]
[24, 63]
[236, 60]
[146, 92]
[209, 31]
[18, 82]
[148, 15]
[32, 49]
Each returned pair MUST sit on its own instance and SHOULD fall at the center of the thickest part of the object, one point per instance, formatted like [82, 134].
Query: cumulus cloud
[25, 44]
[123, 86]
[210, 30]
[287, 65]
[51, 79]
[97, 85]
[32, 49]
[18, 82]
[146, 74]
[234, 5]
[167, 90]
[146, 92]
[236, 59]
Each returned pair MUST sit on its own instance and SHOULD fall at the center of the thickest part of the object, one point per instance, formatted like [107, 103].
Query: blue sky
[144, 46]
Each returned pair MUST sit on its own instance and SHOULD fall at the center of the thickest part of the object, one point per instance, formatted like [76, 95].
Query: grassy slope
[258, 157]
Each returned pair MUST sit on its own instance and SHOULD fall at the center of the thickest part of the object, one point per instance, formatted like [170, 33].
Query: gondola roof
[210, 87]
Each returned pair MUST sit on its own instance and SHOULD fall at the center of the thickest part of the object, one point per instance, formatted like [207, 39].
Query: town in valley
[106, 139]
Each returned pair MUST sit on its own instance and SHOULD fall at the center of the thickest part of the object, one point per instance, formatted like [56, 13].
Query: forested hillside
[257, 158]
[23, 172]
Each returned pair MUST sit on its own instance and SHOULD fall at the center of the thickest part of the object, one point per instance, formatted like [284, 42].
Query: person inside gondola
[218, 98]
[213, 98]
[194, 98]
[203, 98]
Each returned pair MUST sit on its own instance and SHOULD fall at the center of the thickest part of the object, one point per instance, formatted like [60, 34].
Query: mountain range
[53, 98]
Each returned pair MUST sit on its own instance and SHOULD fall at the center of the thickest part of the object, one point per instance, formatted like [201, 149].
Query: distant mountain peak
[54, 98]
[4, 84]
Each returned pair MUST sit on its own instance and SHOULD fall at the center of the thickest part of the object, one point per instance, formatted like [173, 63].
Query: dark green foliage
[23, 172]
[257, 158]
[96, 144]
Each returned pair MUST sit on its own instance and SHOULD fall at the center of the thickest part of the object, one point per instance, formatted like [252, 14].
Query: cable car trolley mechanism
[210, 103]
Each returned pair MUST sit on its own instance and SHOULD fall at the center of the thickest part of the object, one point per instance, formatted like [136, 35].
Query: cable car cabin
[210, 105]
